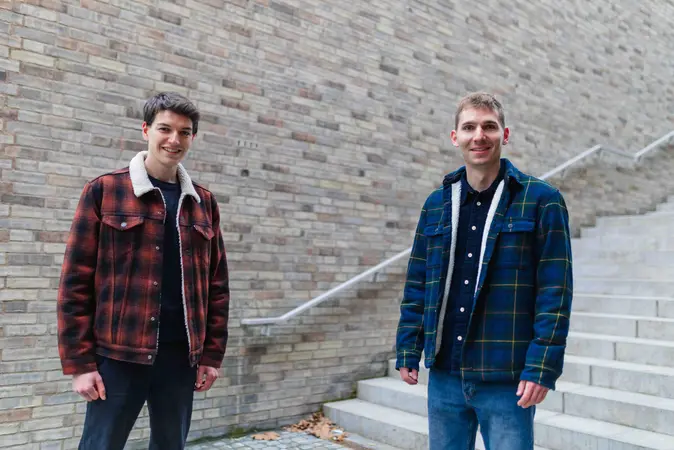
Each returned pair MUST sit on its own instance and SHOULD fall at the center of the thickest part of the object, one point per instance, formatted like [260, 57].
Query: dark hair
[480, 100]
[171, 101]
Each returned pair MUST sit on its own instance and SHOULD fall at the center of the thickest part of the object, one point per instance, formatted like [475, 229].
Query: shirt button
[479, 203]
[470, 255]
[459, 338]
[466, 282]
[510, 225]
[474, 228]
[155, 283]
[462, 309]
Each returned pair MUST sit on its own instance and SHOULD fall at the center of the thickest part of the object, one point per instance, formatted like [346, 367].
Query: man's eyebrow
[162, 124]
[473, 122]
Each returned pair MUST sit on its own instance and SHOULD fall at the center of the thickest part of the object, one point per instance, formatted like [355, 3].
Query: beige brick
[32, 58]
[109, 64]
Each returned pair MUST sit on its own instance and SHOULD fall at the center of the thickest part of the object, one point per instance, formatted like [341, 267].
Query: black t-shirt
[172, 326]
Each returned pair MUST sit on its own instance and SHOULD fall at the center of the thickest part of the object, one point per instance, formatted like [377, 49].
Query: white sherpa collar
[141, 182]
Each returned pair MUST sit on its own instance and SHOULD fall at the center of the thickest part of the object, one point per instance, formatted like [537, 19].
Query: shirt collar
[487, 193]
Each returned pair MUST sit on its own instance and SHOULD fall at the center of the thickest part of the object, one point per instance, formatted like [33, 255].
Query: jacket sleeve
[218, 300]
[76, 302]
[410, 333]
[554, 290]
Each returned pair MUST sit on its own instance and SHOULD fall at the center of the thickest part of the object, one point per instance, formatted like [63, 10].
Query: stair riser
[378, 431]
[621, 351]
[547, 436]
[609, 256]
[624, 287]
[612, 378]
[623, 327]
[638, 231]
[641, 220]
[616, 305]
[595, 245]
[411, 403]
[562, 439]
[612, 411]
[621, 270]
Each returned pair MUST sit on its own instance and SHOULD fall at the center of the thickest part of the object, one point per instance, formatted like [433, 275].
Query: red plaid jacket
[108, 298]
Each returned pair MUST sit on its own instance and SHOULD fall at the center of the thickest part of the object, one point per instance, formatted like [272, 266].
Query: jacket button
[149, 356]
[155, 283]
[152, 319]
[123, 224]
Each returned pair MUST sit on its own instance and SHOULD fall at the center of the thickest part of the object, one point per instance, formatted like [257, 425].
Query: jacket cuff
[544, 378]
[408, 359]
[211, 359]
[78, 367]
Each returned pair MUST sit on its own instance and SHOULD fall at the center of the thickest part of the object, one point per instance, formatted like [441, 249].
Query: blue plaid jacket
[522, 301]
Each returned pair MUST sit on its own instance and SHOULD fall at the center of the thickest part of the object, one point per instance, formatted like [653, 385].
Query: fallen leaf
[268, 436]
[319, 426]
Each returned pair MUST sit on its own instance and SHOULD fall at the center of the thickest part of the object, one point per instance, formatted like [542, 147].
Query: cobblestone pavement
[287, 441]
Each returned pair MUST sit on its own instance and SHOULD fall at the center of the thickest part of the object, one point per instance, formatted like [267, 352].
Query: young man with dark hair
[143, 301]
[488, 292]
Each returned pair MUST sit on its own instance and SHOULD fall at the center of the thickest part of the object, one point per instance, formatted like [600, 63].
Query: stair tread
[634, 398]
[593, 427]
[372, 411]
[624, 297]
[613, 364]
[622, 316]
[624, 339]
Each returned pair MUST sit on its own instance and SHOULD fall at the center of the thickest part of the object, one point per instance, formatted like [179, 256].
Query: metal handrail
[376, 269]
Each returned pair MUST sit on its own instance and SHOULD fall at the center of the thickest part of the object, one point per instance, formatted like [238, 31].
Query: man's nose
[173, 138]
[479, 133]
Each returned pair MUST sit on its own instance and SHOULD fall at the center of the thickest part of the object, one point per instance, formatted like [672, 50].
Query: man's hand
[409, 376]
[531, 393]
[89, 386]
[205, 378]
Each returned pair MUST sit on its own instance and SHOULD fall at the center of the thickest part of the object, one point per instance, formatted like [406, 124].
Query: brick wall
[325, 125]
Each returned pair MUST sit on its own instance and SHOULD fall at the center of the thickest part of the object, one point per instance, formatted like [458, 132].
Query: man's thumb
[100, 387]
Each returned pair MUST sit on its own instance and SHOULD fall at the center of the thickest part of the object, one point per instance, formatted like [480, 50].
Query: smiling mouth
[480, 149]
[172, 150]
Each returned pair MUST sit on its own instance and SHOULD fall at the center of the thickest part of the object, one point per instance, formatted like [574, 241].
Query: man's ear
[506, 135]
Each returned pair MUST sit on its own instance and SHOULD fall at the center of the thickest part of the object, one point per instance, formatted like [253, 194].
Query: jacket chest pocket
[515, 245]
[121, 235]
[434, 245]
[197, 240]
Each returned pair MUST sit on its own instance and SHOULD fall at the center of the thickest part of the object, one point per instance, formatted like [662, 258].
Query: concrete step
[639, 378]
[611, 256]
[624, 270]
[386, 425]
[379, 423]
[632, 244]
[556, 431]
[624, 286]
[646, 220]
[623, 325]
[624, 304]
[620, 348]
[631, 409]
[637, 230]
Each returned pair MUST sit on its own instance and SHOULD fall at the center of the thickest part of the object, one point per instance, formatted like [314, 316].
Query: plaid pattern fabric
[109, 294]
[522, 304]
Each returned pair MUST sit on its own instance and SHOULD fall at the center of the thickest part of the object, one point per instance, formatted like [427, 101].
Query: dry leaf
[268, 436]
[319, 426]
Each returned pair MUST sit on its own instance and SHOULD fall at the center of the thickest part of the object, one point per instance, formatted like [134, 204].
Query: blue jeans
[168, 387]
[456, 407]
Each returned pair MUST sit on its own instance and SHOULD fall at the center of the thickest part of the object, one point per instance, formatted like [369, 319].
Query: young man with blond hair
[488, 291]
[144, 295]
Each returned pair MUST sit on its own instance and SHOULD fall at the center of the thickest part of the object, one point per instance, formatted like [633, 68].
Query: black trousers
[168, 388]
